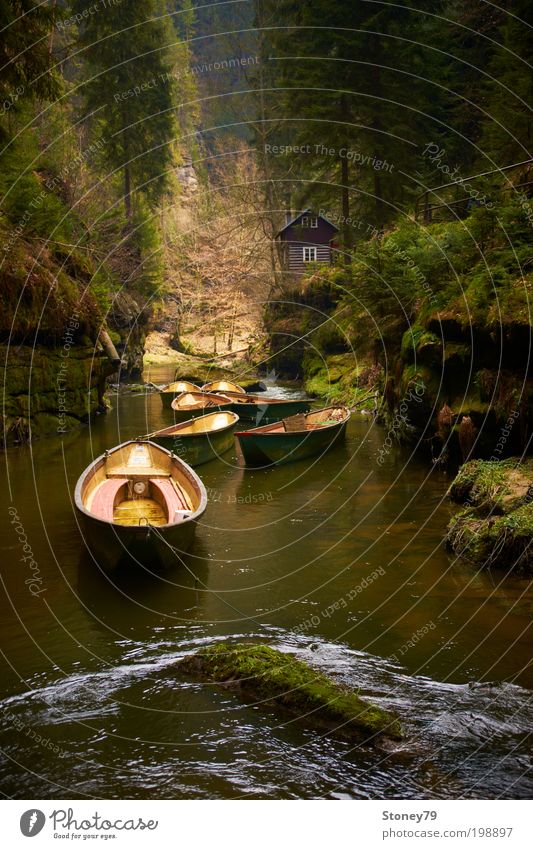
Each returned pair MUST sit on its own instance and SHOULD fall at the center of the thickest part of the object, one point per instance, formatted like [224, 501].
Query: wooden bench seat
[175, 503]
[103, 503]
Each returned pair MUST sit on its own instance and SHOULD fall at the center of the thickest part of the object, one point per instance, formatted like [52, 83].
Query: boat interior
[181, 386]
[302, 422]
[140, 484]
[197, 400]
[210, 423]
[223, 386]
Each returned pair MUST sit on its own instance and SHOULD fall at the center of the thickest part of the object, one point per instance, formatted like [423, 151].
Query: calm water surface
[340, 561]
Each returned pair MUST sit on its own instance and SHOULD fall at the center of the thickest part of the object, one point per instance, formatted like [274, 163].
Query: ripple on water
[194, 740]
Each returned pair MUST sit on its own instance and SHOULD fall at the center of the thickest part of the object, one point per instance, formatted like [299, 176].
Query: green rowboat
[224, 386]
[200, 439]
[189, 405]
[294, 438]
[172, 390]
[254, 408]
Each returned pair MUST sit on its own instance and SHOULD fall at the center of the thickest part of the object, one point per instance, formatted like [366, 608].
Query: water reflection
[340, 560]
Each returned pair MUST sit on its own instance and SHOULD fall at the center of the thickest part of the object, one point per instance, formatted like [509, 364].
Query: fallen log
[273, 679]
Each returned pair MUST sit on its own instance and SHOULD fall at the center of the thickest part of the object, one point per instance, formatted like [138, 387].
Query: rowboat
[258, 409]
[223, 386]
[192, 404]
[199, 440]
[136, 501]
[172, 390]
[294, 438]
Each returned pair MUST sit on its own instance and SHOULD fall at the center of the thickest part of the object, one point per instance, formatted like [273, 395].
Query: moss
[262, 673]
[496, 526]
[41, 384]
[503, 541]
[493, 485]
[422, 376]
[339, 378]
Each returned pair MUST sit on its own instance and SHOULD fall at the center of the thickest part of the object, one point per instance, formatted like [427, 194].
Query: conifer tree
[129, 91]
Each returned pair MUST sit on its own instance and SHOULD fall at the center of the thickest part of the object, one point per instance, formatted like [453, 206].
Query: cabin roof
[300, 215]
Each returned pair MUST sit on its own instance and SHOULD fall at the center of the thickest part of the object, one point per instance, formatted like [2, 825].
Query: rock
[262, 674]
[50, 389]
[495, 528]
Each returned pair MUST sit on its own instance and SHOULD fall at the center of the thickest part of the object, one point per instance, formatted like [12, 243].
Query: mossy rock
[335, 378]
[496, 526]
[503, 541]
[493, 486]
[274, 679]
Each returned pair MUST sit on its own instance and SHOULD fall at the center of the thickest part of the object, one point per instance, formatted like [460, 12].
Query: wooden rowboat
[137, 500]
[223, 386]
[192, 404]
[201, 439]
[261, 410]
[172, 390]
[294, 438]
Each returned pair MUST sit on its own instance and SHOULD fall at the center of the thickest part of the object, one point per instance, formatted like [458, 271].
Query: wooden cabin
[306, 238]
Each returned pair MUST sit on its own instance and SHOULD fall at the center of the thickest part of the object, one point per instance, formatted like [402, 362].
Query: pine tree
[25, 57]
[508, 133]
[129, 92]
[352, 84]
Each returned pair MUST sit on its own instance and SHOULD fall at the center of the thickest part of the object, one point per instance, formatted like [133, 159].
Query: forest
[360, 120]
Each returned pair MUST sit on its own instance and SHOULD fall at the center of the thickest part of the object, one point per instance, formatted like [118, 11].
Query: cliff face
[479, 373]
[53, 367]
[50, 389]
[128, 326]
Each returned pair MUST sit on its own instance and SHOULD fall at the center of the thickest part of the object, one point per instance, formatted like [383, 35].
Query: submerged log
[274, 679]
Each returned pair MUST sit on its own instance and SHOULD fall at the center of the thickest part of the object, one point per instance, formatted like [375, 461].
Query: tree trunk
[380, 217]
[127, 191]
[347, 241]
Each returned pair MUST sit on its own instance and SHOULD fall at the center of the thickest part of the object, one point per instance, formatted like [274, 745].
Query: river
[339, 560]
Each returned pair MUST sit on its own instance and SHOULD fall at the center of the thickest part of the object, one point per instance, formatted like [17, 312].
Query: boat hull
[167, 399]
[263, 449]
[111, 483]
[167, 395]
[263, 411]
[113, 545]
[200, 448]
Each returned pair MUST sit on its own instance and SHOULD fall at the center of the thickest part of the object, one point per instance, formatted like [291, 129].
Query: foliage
[25, 58]
[129, 92]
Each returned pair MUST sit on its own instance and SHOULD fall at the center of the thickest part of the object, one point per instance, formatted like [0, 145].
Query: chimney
[288, 216]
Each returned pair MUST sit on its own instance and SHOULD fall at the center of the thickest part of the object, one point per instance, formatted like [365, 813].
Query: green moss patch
[504, 541]
[495, 528]
[263, 674]
[493, 486]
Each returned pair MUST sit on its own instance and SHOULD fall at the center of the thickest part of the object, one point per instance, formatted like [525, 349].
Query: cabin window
[310, 221]
[305, 221]
[309, 254]
[313, 222]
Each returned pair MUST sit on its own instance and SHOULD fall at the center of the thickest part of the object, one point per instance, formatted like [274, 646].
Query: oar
[181, 492]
